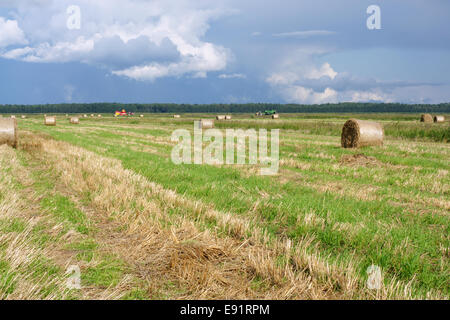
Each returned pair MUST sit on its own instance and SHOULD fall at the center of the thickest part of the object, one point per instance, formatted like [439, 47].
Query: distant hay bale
[8, 132]
[206, 124]
[13, 117]
[141, 116]
[85, 116]
[92, 115]
[176, 116]
[50, 121]
[220, 117]
[360, 133]
[227, 117]
[427, 118]
[23, 117]
[67, 115]
[99, 116]
[74, 120]
[276, 116]
[439, 119]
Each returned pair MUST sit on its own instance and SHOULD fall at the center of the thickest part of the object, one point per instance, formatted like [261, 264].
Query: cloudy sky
[224, 51]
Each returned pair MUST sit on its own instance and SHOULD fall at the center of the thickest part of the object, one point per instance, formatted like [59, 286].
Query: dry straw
[276, 116]
[50, 121]
[206, 124]
[227, 117]
[176, 116]
[439, 119]
[141, 116]
[13, 117]
[99, 116]
[360, 133]
[8, 132]
[74, 120]
[220, 118]
[427, 118]
[23, 117]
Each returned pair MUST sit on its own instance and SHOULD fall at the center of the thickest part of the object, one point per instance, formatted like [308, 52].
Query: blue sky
[224, 51]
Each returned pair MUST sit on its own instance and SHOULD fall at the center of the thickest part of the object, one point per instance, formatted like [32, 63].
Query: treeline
[227, 108]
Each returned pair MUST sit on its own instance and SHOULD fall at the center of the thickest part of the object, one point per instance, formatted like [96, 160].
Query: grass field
[104, 195]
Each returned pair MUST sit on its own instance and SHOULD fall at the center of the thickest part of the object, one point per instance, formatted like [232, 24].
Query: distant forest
[227, 108]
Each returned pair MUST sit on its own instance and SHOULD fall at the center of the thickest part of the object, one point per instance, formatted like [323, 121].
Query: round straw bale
[92, 115]
[220, 118]
[276, 116]
[99, 116]
[85, 116]
[360, 133]
[206, 124]
[8, 132]
[23, 117]
[176, 116]
[439, 119]
[427, 118]
[227, 117]
[74, 120]
[50, 121]
[141, 116]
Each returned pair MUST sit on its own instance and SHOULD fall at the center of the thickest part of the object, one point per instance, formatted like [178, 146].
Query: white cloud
[298, 78]
[365, 96]
[139, 39]
[304, 34]
[309, 96]
[232, 76]
[10, 33]
[298, 67]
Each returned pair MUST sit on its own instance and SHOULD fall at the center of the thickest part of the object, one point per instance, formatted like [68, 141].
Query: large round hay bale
[8, 132]
[360, 133]
[50, 121]
[439, 119]
[220, 117]
[427, 118]
[206, 123]
[276, 116]
[176, 116]
[13, 117]
[227, 117]
[74, 120]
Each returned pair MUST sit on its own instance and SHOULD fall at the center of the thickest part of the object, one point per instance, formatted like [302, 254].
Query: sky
[224, 51]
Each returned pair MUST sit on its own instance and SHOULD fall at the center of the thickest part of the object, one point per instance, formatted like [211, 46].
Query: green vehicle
[270, 112]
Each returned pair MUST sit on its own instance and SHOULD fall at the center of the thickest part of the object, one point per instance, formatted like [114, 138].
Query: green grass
[398, 230]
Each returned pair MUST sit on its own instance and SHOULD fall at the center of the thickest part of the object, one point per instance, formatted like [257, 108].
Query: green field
[104, 195]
